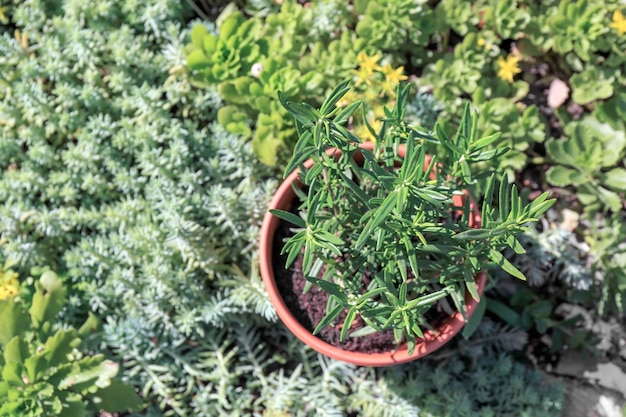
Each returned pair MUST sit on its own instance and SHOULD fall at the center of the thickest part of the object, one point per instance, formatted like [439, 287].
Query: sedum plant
[407, 223]
[588, 158]
[43, 371]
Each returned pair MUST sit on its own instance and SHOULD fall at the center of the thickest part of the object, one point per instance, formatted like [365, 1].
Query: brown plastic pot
[432, 340]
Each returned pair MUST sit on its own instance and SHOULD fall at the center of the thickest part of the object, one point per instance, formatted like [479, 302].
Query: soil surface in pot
[310, 308]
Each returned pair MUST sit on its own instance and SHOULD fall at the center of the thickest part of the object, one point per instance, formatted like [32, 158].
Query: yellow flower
[483, 42]
[394, 75]
[9, 286]
[362, 76]
[508, 67]
[619, 22]
[392, 78]
[368, 64]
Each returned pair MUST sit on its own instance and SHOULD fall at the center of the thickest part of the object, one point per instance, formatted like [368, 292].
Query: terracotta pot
[432, 341]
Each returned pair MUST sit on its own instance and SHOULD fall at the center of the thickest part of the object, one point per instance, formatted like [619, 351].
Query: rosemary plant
[388, 237]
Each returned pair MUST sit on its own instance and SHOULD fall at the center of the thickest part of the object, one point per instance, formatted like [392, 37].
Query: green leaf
[476, 318]
[36, 367]
[610, 198]
[539, 205]
[197, 35]
[515, 245]
[540, 309]
[615, 179]
[93, 371]
[328, 318]
[15, 320]
[344, 115]
[91, 325]
[294, 246]
[486, 141]
[331, 288]
[504, 263]
[289, 217]
[197, 60]
[58, 346]
[48, 300]
[118, 397]
[562, 176]
[16, 350]
[303, 113]
[428, 299]
[379, 216]
[473, 234]
[470, 283]
[331, 102]
[503, 311]
[73, 408]
[504, 198]
[347, 323]
[12, 373]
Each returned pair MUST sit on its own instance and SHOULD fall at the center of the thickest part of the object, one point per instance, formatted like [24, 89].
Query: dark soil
[309, 308]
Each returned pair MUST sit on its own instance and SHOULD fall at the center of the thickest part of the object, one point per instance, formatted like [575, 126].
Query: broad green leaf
[465, 169]
[73, 408]
[329, 237]
[118, 397]
[91, 325]
[16, 350]
[479, 156]
[15, 320]
[610, 198]
[48, 299]
[92, 370]
[12, 373]
[298, 159]
[197, 35]
[540, 309]
[197, 60]
[563, 177]
[36, 367]
[615, 179]
[358, 192]
[58, 346]
[505, 312]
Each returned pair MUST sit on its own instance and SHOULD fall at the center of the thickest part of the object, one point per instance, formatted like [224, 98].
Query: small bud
[256, 69]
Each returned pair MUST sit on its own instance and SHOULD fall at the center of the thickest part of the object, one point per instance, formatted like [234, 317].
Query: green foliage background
[116, 174]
